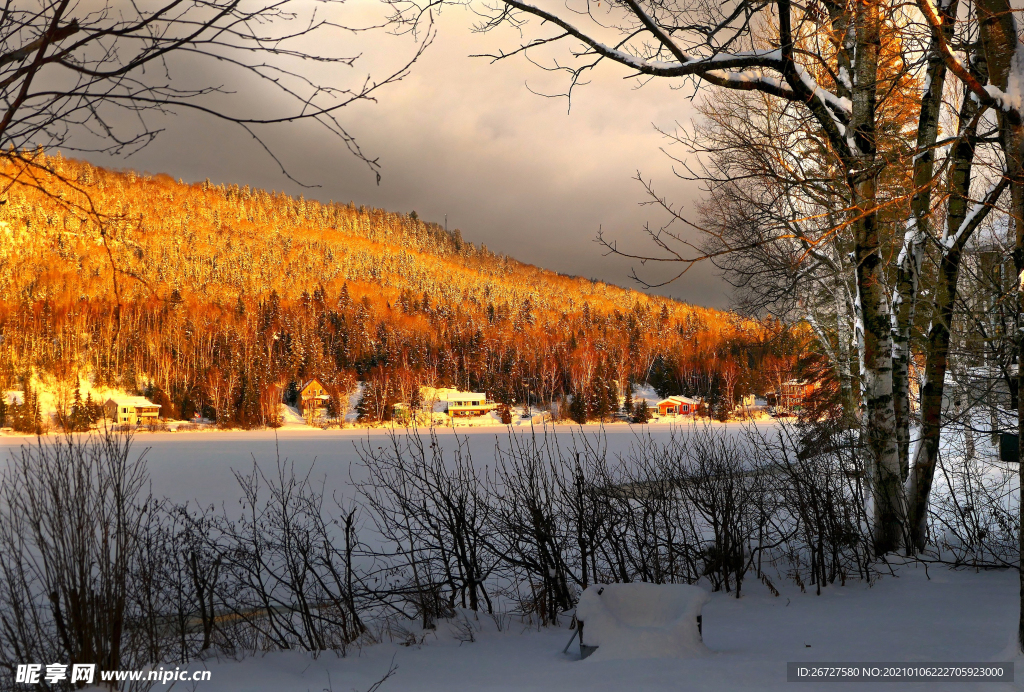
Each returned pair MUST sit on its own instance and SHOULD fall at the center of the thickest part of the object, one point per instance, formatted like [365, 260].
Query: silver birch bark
[908, 265]
[879, 413]
[960, 225]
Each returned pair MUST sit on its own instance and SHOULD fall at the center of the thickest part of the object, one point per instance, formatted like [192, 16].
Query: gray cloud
[467, 138]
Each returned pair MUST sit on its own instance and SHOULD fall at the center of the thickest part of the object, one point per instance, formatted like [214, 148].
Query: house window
[686, 408]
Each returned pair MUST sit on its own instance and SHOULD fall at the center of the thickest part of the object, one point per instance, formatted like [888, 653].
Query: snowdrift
[640, 620]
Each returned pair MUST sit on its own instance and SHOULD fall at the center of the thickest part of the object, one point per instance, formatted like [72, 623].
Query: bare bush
[288, 579]
[71, 513]
[432, 515]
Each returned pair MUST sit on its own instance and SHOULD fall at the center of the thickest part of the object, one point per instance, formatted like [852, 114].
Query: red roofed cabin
[678, 406]
[313, 399]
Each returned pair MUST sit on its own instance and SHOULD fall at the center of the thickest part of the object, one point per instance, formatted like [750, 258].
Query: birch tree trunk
[959, 228]
[908, 266]
[879, 413]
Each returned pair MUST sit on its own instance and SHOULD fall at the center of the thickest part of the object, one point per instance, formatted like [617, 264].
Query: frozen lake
[197, 466]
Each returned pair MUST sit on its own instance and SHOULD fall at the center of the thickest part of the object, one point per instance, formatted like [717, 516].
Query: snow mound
[640, 620]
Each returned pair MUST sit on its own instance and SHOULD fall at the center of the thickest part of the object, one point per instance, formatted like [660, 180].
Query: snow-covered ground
[953, 616]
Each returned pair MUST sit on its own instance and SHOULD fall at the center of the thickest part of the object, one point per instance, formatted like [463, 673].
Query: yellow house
[131, 410]
[313, 399]
[467, 404]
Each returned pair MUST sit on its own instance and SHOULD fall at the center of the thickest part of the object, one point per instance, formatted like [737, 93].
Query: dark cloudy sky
[460, 136]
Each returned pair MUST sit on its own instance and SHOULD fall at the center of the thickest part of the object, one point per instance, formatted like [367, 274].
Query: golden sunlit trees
[226, 295]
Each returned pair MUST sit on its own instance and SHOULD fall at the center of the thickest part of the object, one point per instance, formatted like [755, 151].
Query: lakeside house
[678, 406]
[466, 404]
[313, 399]
[131, 410]
[792, 394]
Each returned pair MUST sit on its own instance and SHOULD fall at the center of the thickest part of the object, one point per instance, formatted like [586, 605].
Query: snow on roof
[457, 397]
[677, 399]
[136, 401]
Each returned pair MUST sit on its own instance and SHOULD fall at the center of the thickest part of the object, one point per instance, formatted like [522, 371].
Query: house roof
[135, 401]
[679, 400]
[458, 397]
[311, 382]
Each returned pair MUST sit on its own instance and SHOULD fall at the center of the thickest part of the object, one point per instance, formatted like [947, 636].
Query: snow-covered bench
[640, 620]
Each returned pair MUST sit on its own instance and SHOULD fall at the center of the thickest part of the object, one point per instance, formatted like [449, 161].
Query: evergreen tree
[627, 405]
[344, 300]
[641, 414]
[578, 408]
[78, 417]
[94, 410]
[26, 416]
[599, 400]
[364, 409]
[291, 393]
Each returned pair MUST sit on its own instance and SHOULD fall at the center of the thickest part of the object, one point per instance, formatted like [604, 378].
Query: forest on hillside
[218, 299]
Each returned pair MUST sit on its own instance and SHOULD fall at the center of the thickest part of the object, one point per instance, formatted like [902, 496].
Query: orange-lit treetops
[141, 281]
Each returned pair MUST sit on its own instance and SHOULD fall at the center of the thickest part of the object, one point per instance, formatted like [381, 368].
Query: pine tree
[78, 418]
[364, 409]
[641, 414]
[627, 405]
[25, 416]
[578, 408]
[93, 409]
[600, 408]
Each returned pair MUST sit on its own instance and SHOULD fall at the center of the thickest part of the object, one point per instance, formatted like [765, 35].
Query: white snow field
[197, 466]
[953, 616]
[914, 615]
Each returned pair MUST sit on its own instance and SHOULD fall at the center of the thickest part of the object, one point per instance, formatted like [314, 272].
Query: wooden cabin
[313, 399]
